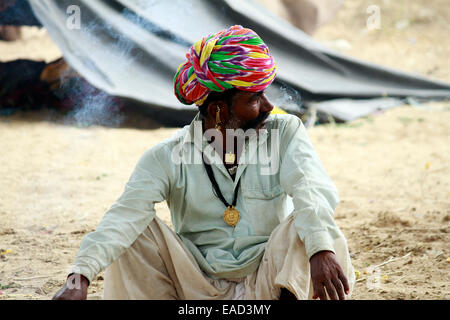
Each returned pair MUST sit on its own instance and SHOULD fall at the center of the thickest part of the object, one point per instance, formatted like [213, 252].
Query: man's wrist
[76, 281]
[321, 252]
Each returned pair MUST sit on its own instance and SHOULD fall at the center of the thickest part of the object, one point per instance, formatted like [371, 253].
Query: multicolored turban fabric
[232, 58]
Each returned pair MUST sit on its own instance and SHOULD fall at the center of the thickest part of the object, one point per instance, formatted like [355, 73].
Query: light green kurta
[164, 173]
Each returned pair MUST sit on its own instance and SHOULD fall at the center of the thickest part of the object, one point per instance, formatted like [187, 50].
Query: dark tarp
[132, 48]
[19, 14]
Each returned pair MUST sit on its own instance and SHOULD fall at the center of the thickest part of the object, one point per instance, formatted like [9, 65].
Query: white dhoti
[158, 266]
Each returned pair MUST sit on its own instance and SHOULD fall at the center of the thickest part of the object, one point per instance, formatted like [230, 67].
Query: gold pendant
[231, 216]
[230, 158]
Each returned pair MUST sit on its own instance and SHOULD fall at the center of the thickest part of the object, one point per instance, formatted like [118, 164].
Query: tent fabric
[132, 48]
[348, 109]
[307, 15]
[17, 14]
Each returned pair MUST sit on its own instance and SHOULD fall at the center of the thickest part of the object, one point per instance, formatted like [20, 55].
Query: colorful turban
[233, 58]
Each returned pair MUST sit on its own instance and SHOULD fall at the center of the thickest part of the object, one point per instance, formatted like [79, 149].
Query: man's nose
[266, 105]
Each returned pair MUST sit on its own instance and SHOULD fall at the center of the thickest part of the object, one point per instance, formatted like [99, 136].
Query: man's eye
[256, 97]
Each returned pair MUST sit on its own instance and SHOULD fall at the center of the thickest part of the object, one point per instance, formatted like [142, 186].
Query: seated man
[233, 237]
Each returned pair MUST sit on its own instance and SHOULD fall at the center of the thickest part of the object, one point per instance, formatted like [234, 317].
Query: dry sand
[391, 169]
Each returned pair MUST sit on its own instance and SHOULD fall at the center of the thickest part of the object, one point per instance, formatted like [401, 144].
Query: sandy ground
[391, 169]
[413, 35]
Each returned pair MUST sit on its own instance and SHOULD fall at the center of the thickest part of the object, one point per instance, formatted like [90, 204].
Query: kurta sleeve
[315, 196]
[127, 218]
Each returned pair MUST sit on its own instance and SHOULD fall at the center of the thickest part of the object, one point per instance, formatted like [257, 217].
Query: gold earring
[218, 122]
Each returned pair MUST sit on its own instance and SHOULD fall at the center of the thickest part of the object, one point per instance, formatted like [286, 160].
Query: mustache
[252, 124]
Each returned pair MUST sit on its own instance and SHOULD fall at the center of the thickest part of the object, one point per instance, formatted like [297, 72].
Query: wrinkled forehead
[242, 99]
[243, 96]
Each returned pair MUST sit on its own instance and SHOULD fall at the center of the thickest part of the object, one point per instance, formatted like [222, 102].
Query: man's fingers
[319, 292]
[339, 288]
[331, 290]
[328, 277]
[344, 282]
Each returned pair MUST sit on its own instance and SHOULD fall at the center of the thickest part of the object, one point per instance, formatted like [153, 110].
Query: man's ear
[224, 113]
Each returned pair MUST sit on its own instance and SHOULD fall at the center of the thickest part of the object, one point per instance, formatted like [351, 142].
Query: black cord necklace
[231, 216]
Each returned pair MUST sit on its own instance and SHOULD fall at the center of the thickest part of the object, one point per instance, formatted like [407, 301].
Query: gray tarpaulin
[132, 48]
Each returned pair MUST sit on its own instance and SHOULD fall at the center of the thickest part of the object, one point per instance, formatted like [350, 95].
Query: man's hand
[75, 288]
[327, 273]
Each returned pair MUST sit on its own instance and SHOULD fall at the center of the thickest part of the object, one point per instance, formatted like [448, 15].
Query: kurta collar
[194, 135]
